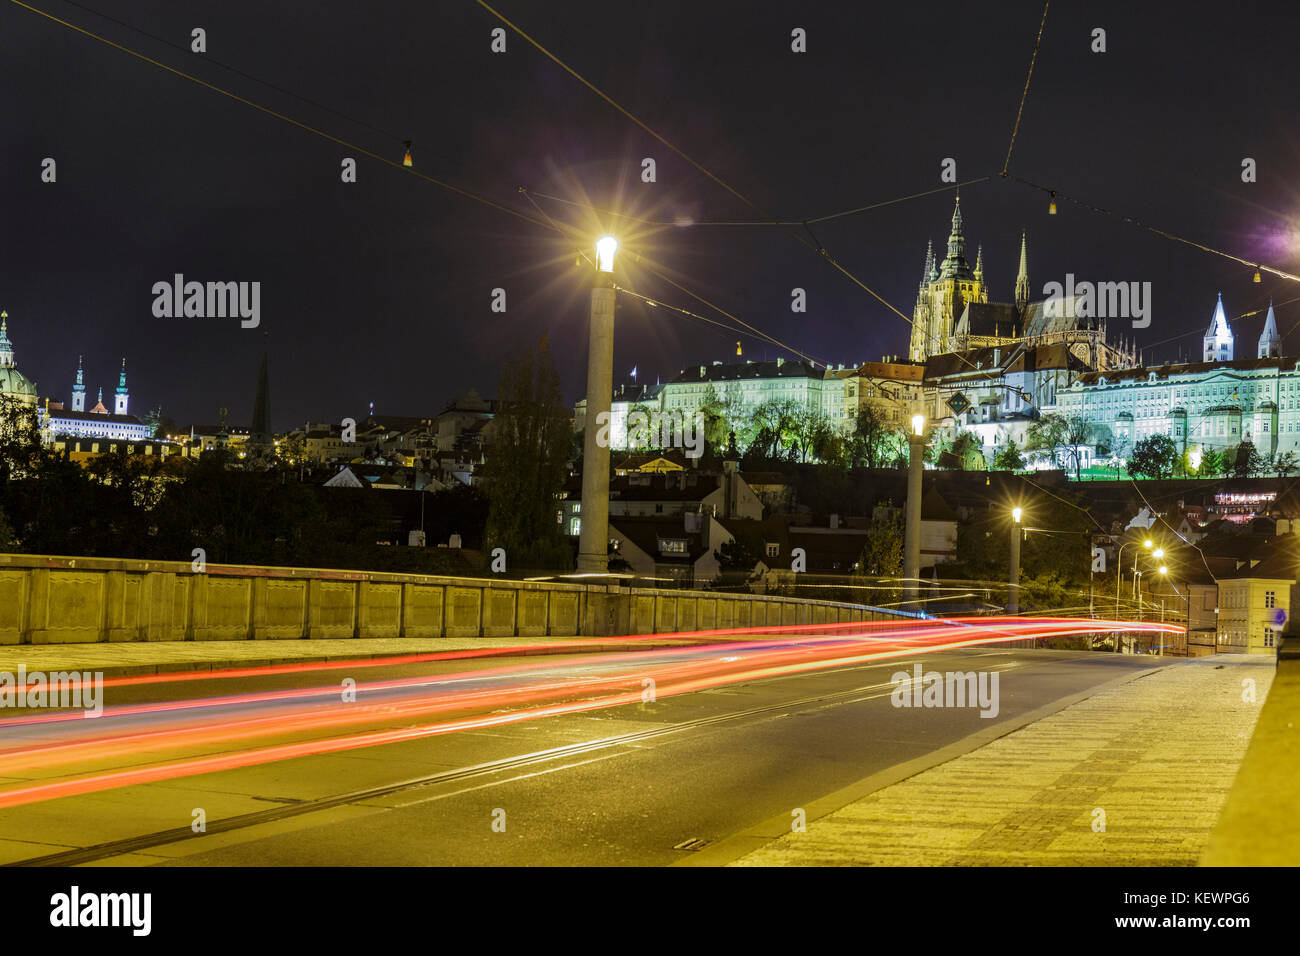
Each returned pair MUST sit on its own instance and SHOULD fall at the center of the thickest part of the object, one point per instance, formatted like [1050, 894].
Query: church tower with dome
[14, 386]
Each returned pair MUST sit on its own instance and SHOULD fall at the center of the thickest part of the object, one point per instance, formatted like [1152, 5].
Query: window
[672, 545]
[773, 549]
[1268, 637]
[1270, 599]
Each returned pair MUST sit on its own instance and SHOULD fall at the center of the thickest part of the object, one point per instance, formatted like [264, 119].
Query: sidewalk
[149, 657]
[1157, 754]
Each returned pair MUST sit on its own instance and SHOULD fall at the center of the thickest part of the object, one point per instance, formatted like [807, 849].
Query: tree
[810, 431]
[1009, 458]
[1212, 463]
[1154, 457]
[525, 466]
[640, 436]
[774, 422]
[882, 555]
[1062, 436]
[738, 556]
[20, 439]
[969, 452]
[1247, 461]
[1282, 465]
[873, 442]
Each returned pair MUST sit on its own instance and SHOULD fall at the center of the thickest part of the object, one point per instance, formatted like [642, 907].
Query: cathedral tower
[949, 286]
[1218, 338]
[1270, 343]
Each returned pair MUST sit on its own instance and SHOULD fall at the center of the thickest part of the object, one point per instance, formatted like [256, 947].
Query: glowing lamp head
[1147, 544]
[1016, 514]
[606, 246]
[1163, 569]
[918, 424]
[1158, 553]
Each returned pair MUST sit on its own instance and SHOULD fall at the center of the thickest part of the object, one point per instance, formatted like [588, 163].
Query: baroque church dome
[13, 383]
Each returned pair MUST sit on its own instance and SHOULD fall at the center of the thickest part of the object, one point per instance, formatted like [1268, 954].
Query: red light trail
[242, 728]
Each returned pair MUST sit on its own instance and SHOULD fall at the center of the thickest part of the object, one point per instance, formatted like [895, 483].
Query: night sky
[381, 290]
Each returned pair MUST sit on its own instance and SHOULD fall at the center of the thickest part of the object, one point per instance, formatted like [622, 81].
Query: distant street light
[593, 533]
[912, 530]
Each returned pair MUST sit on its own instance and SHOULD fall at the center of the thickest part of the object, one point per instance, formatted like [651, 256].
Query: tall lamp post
[593, 532]
[1119, 569]
[912, 531]
[1013, 581]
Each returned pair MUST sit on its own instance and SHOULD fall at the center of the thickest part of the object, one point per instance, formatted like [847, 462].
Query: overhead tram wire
[691, 223]
[698, 166]
[330, 137]
[281, 116]
[208, 58]
[748, 331]
[1024, 94]
[1163, 233]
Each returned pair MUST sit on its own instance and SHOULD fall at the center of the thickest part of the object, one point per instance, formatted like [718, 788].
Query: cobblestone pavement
[1151, 759]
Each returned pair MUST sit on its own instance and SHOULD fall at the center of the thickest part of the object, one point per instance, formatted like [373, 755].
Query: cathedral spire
[979, 263]
[1270, 343]
[926, 273]
[1022, 277]
[1218, 338]
[954, 264]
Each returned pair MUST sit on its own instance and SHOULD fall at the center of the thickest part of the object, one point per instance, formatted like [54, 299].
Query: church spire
[79, 389]
[6, 349]
[979, 264]
[1022, 277]
[121, 398]
[928, 270]
[954, 264]
[1218, 338]
[1270, 343]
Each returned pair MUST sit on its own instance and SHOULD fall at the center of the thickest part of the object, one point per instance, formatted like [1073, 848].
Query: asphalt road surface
[640, 784]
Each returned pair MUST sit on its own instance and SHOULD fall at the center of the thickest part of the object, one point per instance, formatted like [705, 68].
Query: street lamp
[912, 530]
[606, 246]
[1148, 544]
[1013, 591]
[593, 534]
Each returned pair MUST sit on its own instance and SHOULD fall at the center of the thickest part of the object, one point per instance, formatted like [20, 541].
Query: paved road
[626, 787]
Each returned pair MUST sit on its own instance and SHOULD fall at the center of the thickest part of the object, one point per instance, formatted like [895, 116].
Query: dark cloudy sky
[381, 290]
